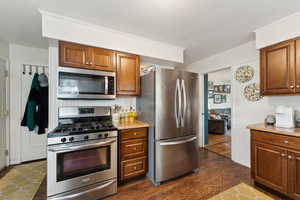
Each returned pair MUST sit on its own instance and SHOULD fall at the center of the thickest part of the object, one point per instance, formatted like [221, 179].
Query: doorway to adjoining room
[218, 112]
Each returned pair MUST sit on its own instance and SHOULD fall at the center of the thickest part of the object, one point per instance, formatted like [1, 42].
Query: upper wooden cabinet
[278, 69]
[81, 56]
[103, 59]
[128, 74]
[297, 67]
[74, 55]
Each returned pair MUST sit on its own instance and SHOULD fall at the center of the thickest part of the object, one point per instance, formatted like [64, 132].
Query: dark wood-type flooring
[217, 173]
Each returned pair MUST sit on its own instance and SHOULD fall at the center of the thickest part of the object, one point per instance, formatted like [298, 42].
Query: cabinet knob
[134, 133]
[283, 155]
[90, 63]
[86, 63]
[134, 168]
[290, 157]
[297, 86]
[291, 86]
[285, 142]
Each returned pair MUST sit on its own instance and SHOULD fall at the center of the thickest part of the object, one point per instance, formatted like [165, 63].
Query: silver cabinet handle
[291, 86]
[178, 142]
[283, 155]
[184, 103]
[297, 86]
[285, 141]
[177, 96]
[290, 157]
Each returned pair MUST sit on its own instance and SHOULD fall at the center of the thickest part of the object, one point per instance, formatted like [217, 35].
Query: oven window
[83, 162]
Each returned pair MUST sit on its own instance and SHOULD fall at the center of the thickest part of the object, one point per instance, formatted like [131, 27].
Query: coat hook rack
[24, 68]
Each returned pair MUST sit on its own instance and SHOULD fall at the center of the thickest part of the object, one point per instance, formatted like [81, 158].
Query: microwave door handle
[83, 147]
[106, 85]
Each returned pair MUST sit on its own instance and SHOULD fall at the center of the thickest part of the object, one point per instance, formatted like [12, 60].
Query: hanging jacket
[36, 111]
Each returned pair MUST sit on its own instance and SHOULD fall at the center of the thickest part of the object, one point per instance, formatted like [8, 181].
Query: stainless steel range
[82, 155]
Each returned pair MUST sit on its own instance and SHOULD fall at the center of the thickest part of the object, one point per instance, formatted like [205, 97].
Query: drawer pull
[286, 142]
[290, 157]
[135, 133]
[134, 168]
[283, 155]
[134, 148]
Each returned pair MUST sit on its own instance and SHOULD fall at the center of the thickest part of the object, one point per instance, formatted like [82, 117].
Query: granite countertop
[273, 129]
[130, 124]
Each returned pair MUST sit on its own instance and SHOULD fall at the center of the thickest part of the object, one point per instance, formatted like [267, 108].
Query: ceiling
[202, 27]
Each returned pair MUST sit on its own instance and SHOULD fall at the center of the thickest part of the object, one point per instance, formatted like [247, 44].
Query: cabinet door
[297, 66]
[74, 55]
[278, 69]
[128, 74]
[270, 165]
[294, 174]
[103, 59]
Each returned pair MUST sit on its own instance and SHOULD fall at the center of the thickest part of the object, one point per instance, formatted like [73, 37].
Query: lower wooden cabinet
[275, 162]
[133, 153]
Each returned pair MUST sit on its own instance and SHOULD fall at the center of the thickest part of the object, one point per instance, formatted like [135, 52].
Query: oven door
[76, 83]
[75, 165]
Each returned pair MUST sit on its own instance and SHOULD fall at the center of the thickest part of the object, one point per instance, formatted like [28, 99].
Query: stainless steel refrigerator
[169, 101]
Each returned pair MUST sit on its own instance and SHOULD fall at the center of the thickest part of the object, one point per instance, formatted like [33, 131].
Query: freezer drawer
[175, 157]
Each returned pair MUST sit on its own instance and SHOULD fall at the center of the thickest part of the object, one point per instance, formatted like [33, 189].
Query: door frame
[204, 113]
[7, 131]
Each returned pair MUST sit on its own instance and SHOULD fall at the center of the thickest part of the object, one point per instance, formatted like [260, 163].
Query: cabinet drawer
[280, 140]
[133, 148]
[133, 167]
[134, 133]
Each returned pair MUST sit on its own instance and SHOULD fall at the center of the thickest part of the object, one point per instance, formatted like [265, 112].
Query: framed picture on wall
[217, 88]
[210, 94]
[210, 85]
[217, 98]
[221, 88]
[227, 88]
[224, 98]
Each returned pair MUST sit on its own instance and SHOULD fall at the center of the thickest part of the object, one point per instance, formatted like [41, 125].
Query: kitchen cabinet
[103, 59]
[75, 55]
[128, 74]
[86, 57]
[297, 79]
[277, 69]
[133, 156]
[275, 162]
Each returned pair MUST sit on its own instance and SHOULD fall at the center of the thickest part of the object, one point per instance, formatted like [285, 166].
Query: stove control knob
[63, 140]
[100, 136]
[106, 134]
[71, 139]
[86, 137]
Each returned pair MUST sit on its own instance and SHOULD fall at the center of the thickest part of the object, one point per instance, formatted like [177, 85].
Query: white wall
[19, 55]
[243, 111]
[65, 28]
[54, 103]
[281, 30]
[4, 50]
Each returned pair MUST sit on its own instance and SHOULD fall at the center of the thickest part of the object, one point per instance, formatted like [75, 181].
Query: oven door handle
[80, 194]
[82, 147]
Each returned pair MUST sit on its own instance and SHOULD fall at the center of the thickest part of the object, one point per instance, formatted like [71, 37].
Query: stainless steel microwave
[74, 83]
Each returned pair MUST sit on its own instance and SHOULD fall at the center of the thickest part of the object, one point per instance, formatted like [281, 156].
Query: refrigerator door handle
[177, 95]
[178, 142]
[184, 103]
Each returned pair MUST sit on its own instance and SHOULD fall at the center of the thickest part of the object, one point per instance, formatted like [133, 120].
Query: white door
[3, 113]
[33, 145]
